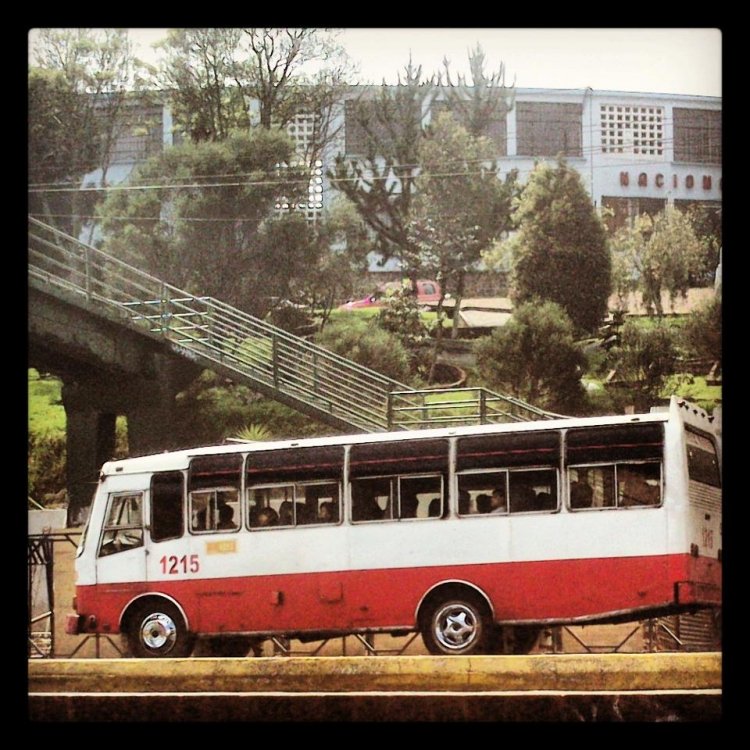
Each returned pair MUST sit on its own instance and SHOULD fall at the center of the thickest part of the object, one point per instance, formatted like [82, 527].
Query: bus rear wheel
[157, 630]
[457, 626]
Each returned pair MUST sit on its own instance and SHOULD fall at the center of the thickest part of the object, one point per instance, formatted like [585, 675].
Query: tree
[656, 256]
[344, 244]
[460, 208]
[79, 105]
[386, 131]
[199, 70]
[483, 103]
[706, 223]
[702, 331]
[534, 357]
[227, 78]
[62, 145]
[204, 227]
[644, 359]
[560, 251]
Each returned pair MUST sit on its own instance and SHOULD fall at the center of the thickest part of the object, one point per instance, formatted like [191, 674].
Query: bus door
[166, 527]
[121, 555]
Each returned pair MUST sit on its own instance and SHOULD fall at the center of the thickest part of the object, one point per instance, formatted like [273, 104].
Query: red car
[428, 292]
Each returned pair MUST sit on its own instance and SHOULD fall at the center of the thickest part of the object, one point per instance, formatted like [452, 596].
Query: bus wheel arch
[156, 627]
[455, 618]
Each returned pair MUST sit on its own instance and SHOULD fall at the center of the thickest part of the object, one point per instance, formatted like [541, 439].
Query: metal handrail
[210, 331]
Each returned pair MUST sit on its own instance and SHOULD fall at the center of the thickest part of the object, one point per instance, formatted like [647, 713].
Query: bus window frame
[111, 497]
[616, 505]
[203, 532]
[470, 472]
[398, 478]
[294, 485]
[508, 471]
[555, 470]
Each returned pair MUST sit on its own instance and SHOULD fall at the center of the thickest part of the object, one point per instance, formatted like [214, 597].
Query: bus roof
[179, 459]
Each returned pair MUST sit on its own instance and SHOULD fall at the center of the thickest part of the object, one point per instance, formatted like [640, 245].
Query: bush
[46, 472]
[645, 358]
[366, 343]
[702, 331]
[534, 357]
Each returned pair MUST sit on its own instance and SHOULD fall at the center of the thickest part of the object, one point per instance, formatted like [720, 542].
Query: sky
[656, 60]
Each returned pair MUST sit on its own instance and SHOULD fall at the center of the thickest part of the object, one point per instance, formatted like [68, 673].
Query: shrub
[46, 472]
[366, 343]
[534, 357]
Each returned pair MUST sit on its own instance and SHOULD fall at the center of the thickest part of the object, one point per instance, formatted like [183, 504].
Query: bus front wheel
[457, 625]
[157, 629]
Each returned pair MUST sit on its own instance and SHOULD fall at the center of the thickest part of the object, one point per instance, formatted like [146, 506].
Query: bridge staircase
[222, 338]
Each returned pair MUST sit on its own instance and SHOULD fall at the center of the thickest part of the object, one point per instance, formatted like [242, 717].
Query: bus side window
[123, 527]
[638, 485]
[533, 490]
[167, 517]
[371, 498]
[591, 487]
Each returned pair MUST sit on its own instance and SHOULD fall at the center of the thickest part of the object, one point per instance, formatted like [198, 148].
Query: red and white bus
[474, 536]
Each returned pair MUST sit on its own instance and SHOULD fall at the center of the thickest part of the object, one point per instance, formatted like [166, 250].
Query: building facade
[636, 152]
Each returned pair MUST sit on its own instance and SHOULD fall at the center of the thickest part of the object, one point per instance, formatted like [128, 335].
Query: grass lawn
[46, 412]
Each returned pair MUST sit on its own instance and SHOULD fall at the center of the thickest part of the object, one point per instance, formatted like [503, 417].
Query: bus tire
[157, 630]
[457, 625]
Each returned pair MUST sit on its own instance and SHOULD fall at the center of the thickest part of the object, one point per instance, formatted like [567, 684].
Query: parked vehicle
[476, 537]
[428, 292]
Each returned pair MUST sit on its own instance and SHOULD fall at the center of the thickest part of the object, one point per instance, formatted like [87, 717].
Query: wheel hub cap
[455, 627]
[159, 632]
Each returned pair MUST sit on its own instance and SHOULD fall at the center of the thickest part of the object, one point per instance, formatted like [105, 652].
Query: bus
[474, 537]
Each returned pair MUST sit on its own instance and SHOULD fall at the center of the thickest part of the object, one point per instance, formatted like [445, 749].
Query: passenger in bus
[285, 513]
[581, 495]
[267, 517]
[498, 503]
[433, 510]
[409, 504]
[366, 508]
[545, 501]
[522, 499]
[464, 502]
[226, 517]
[327, 513]
[483, 503]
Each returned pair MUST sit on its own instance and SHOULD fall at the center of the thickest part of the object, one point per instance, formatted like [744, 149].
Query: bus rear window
[703, 463]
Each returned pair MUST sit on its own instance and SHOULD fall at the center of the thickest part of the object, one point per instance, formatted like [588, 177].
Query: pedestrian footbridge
[217, 336]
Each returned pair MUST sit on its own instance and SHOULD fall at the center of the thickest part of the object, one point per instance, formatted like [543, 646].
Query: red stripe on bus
[344, 601]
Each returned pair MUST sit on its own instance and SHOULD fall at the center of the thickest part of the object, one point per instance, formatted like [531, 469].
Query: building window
[632, 130]
[302, 129]
[549, 129]
[697, 135]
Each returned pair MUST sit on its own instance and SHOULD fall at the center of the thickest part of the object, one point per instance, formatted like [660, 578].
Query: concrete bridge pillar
[89, 441]
[92, 404]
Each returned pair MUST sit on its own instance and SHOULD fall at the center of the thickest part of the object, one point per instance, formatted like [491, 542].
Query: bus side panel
[388, 598]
